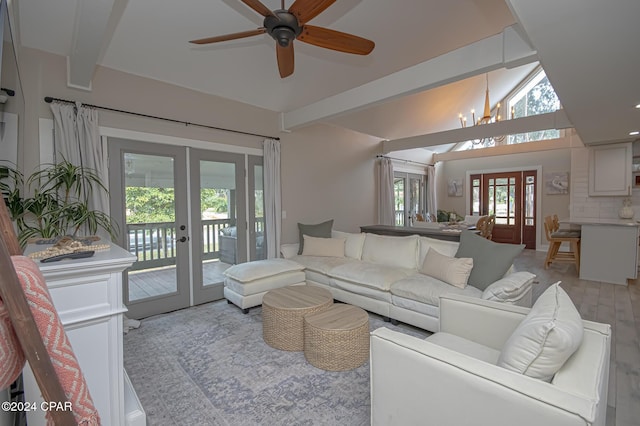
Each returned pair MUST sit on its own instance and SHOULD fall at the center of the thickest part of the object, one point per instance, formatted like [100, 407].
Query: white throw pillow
[353, 245]
[509, 289]
[328, 247]
[546, 337]
[451, 270]
[399, 252]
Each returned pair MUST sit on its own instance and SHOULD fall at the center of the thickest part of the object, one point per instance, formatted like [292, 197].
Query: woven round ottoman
[283, 310]
[337, 338]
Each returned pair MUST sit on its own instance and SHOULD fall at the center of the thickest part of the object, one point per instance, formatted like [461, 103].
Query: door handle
[183, 239]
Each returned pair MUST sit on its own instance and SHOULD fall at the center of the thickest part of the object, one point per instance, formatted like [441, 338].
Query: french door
[511, 197]
[183, 213]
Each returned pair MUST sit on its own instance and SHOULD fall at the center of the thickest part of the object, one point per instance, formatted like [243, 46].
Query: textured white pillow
[328, 247]
[353, 245]
[399, 252]
[546, 338]
[451, 270]
[509, 289]
[448, 248]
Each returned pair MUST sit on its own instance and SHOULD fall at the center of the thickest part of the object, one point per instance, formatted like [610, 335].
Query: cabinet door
[610, 169]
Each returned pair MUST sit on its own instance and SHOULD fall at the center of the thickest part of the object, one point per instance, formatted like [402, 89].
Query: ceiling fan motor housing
[282, 26]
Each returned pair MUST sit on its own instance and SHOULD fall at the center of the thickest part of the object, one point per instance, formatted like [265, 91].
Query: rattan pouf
[337, 338]
[283, 310]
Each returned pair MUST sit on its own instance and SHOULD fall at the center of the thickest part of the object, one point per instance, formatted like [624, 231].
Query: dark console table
[401, 231]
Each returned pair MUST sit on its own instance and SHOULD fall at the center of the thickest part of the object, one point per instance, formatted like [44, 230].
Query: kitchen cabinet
[610, 170]
[608, 249]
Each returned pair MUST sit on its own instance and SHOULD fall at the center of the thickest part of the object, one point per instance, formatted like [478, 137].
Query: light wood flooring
[609, 303]
[158, 281]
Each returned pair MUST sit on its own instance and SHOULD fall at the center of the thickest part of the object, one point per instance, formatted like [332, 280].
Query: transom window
[535, 97]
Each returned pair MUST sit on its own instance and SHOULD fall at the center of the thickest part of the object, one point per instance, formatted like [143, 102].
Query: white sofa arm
[482, 321]
[414, 382]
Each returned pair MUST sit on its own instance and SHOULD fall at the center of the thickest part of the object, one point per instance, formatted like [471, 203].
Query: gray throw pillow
[319, 230]
[490, 260]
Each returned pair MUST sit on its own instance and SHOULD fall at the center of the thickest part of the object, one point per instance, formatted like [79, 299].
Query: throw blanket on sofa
[56, 341]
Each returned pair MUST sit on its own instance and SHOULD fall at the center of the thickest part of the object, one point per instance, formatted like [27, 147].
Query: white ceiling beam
[534, 123]
[90, 34]
[507, 49]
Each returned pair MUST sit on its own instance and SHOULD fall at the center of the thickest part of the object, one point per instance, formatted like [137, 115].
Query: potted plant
[58, 204]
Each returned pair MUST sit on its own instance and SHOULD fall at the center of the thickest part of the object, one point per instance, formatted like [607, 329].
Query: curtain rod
[402, 159]
[49, 99]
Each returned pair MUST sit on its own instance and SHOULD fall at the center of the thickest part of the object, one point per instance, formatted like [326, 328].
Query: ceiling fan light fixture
[283, 35]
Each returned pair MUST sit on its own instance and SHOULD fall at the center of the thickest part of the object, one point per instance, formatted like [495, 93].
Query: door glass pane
[218, 215]
[398, 190]
[150, 224]
[414, 197]
[259, 238]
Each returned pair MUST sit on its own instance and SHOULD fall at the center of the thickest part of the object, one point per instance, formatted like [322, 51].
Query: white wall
[558, 160]
[327, 172]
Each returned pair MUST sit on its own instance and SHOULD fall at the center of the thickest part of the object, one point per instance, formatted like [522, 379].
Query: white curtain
[432, 207]
[77, 140]
[65, 133]
[93, 153]
[386, 204]
[272, 197]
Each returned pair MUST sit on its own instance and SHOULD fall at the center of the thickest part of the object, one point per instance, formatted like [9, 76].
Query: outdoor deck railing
[154, 244]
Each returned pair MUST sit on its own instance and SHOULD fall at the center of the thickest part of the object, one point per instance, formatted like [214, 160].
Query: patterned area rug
[208, 365]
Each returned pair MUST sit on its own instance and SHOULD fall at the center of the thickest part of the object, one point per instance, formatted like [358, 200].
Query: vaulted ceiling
[428, 64]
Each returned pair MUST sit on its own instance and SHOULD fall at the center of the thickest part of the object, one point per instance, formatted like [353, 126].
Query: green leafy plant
[58, 204]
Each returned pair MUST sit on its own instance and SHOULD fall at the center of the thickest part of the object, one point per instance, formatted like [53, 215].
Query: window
[532, 96]
[536, 96]
[409, 197]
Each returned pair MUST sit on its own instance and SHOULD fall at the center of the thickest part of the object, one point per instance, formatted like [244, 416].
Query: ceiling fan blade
[258, 7]
[336, 40]
[227, 37]
[285, 60]
[306, 10]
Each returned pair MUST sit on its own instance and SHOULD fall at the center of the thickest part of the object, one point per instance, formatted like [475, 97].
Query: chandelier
[485, 119]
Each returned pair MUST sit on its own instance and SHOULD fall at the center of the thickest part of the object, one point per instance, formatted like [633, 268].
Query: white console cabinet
[610, 169]
[88, 296]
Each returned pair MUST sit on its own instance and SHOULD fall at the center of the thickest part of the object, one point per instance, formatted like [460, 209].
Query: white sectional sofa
[382, 274]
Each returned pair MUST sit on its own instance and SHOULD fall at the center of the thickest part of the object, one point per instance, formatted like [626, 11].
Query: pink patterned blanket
[56, 341]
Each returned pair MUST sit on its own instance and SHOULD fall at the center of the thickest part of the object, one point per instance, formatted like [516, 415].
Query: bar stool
[556, 238]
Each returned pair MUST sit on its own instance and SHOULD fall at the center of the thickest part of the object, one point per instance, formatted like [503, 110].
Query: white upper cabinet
[610, 169]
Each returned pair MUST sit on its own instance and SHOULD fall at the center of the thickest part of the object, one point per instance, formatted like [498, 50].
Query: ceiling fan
[286, 25]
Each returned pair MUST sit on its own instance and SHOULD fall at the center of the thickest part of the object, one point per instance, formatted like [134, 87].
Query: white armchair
[451, 378]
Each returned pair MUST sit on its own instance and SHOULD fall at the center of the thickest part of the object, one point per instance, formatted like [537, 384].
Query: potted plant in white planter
[58, 204]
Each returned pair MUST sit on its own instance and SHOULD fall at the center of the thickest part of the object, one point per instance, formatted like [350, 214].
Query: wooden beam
[507, 49]
[552, 120]
[7, 232]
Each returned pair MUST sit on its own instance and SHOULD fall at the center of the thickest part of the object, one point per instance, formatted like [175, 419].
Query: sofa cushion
[326, 247]
[490, 260]
[398, 252]
[448, 248]
[451, 270]
[320, 230]
[353, 246]
[321, 264]
[549, 334]
[509, 289]
[464, 346]
[250, 271]
[427, 289]
[265, 284]
[362, 290]
[370, 274]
